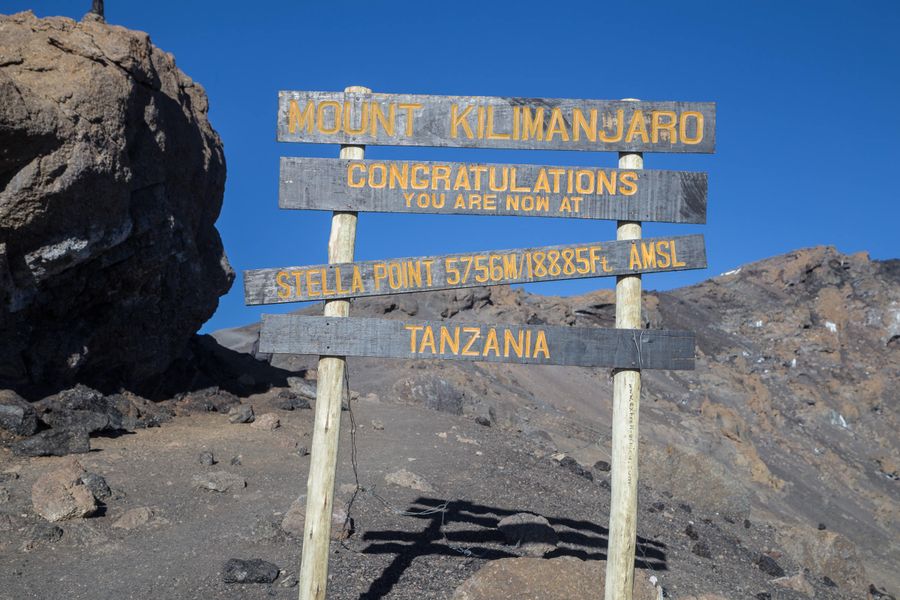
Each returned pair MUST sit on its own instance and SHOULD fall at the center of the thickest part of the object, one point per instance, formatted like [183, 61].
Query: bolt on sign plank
[405, 186]
[428, 273]
[450, 340]
[496, 122]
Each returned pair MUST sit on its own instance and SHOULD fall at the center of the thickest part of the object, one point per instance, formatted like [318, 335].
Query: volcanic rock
[532, 534]
[16, 415]
[134, 518]
[564, 578]
[97, 484]
[254, 570]
[266, 422]
[60, 494]
[241, 414]
[410, 480]
[52, 442]
[111, 179]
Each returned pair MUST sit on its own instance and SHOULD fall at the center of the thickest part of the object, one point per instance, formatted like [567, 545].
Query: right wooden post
[626, 402]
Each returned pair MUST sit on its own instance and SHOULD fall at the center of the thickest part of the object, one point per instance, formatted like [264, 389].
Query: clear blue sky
[807, 92]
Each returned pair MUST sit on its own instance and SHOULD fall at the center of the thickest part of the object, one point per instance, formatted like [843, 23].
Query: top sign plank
[496, 122]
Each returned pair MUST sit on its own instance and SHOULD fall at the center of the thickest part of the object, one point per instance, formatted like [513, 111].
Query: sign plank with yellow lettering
[496, 122]
[491, 267]
[531, 344]
[402, 186]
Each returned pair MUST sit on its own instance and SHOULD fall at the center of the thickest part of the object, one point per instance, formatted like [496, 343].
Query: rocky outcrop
[111, 180]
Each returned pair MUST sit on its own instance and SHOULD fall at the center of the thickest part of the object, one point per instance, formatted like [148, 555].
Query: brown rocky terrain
[769, 472]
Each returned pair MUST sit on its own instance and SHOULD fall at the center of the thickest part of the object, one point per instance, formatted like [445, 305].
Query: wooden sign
[450, 340]
[485, 122]
[401, 275]
[405, 186]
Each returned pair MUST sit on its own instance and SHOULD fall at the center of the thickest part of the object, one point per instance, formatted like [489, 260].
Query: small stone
[288, 581]
[768, 566]
[686, 508]
[532, 534]
[288, 400]
[207, 459]
[822, 527]
[701, 549]
[656, 507]
[482, 420]
[218, 481]
[236, 460]
[302, 451]
[763, 596]
[302, 387]
[377, 425]
[254, 570]
[747, 524]
[241, 414]
[267, 422]
[53, 442]
[295, 517]
[408, 479]
[60, 495]
[134, 518]
[572, 465]
[828, 582]
[691, 532]
[97, 484]
[602, 465]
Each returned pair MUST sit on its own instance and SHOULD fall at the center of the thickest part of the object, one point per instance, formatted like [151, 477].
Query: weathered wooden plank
[497, 267]
[532, 344]
[496, 122]
[405, 186]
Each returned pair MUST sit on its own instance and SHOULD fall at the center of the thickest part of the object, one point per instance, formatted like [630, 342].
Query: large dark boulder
[111, 180]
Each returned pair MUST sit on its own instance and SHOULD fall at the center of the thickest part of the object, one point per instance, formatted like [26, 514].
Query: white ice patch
[757, 324]
[830, 326]
[732, 272]
[793, 363]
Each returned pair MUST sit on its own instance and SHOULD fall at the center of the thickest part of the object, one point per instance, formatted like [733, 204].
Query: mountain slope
[790, 416]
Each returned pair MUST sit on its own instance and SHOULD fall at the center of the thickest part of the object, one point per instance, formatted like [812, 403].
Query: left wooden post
[323, 454]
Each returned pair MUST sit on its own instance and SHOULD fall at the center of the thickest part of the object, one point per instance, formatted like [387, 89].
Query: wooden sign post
[313, 575]
[628, 195]
[626, 402]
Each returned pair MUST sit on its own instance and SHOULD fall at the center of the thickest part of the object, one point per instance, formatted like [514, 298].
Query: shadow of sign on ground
[468, 529]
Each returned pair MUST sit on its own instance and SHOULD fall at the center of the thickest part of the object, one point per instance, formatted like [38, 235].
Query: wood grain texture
[492, 189]
[450, 340]
[625, 433]
[495, 122]
[473, 269]
[313, 574]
